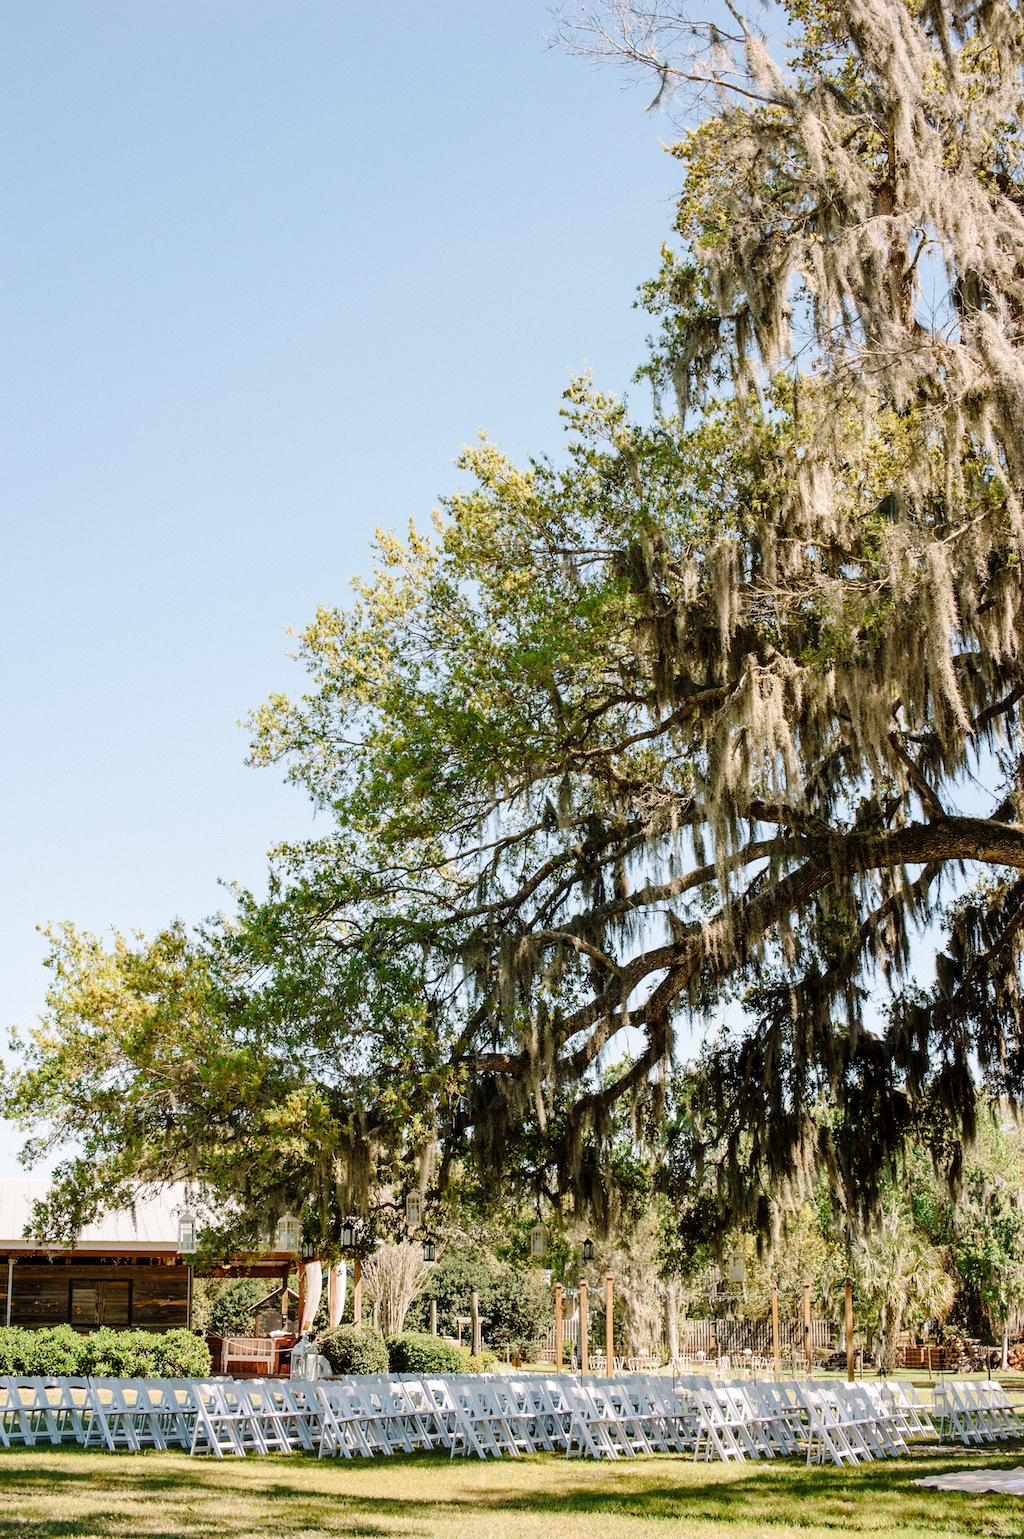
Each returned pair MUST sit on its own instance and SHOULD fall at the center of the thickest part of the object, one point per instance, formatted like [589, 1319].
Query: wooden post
[284, 1302]
[807, 1328]
[433, 1317]
[474, 1315]
[584, 1330]
[357, 1293]
[609, 1325]
[851, 1373]
[776, 1347]
[302, 1297]
[672, 1318]
[558, 1327]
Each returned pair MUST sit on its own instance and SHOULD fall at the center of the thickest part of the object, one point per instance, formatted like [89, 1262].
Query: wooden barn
[126, 1271]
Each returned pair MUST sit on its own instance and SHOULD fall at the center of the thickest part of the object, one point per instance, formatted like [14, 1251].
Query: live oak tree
[667, 750]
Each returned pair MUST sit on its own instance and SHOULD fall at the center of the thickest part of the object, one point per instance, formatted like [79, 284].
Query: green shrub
[112, 1354]
[47, 1354]
[354, 1349]
[418, 1352]
[182, 1355]
[60, 1352]
[13, 1348]
[477, 1362]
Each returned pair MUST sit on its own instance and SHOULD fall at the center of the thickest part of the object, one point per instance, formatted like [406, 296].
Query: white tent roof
[152, 1224]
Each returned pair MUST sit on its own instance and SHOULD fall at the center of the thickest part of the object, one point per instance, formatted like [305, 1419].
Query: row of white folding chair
[747, 1419]
[975, 1412]
[846, 1425]
[908, 1409]
[363, 1415]
[34, 1410]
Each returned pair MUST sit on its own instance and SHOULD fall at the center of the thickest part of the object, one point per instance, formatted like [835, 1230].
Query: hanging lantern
[414, 1210]
[429, 1251]
[308, 1250]
[288, 1235]
[186, 1234]
[588, 1250]
[737, 1267]
[538, 1242]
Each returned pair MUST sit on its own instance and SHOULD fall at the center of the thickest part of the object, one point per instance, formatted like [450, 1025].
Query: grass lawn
[57, 1494]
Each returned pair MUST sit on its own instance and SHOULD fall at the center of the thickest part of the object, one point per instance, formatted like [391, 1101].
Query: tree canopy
[663, 752]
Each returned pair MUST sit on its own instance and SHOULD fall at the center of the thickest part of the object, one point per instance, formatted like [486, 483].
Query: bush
[419, 1352]
[181, 1354]
[46, 1354]
[477, 1362]
[61, 1352]
[354, 1349]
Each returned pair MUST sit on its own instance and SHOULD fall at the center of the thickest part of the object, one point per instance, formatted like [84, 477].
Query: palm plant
[901, 1277]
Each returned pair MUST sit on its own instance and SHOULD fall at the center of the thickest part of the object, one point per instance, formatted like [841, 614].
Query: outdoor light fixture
[308, 1250]
[347, 1235]
[588, 1250]
[538, 1241]
[429, 1250]
[737, 1267]
[414, 1210]
[186, 1234]
[288, 1235]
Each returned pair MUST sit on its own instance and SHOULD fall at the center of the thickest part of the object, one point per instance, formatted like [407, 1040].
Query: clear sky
[264, 265]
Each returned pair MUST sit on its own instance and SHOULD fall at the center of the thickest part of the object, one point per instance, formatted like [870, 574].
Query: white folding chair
[830, 1431]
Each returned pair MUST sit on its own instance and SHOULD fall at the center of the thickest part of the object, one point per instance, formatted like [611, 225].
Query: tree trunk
[891, 1335]
[1005, 1360]
[672, 1317]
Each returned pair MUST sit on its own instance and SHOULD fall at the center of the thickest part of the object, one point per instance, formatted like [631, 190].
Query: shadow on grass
[289, 1496]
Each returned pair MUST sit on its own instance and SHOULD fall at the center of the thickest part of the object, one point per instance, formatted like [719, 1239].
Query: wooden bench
[248, 1356]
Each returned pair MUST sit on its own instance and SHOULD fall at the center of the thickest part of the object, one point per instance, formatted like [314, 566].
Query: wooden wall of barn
[42, 1294]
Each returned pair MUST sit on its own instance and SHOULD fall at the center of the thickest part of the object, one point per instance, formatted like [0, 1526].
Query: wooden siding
[41, 1294]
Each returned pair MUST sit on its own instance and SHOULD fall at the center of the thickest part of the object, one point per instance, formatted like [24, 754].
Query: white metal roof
[152, 1224]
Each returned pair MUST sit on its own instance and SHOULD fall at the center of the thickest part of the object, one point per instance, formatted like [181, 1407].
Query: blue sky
[264, 265]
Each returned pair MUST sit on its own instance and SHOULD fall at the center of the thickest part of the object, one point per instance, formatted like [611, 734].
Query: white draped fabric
[337, 1286]
[313, 1276]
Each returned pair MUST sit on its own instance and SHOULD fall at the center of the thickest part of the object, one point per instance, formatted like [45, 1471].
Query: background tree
[901, 1280]
[393, 1277]
[669, 749]
[988, 1223]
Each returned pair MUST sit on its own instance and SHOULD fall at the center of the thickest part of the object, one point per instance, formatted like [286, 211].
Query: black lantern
[347, 1235]
[429, 1250]
[308, 1250]
[588, 1250]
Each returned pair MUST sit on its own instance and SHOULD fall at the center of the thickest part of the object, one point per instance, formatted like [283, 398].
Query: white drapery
[313, 1278]
[337, 1287]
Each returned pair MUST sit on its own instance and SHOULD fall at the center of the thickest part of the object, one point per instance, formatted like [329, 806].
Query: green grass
[58, 1494]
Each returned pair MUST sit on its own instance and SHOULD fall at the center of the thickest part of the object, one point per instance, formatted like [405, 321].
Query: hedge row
[105, 1354]
[361, 1349]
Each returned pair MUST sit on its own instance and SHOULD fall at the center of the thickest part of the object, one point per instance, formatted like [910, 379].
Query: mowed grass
[58, 1494]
